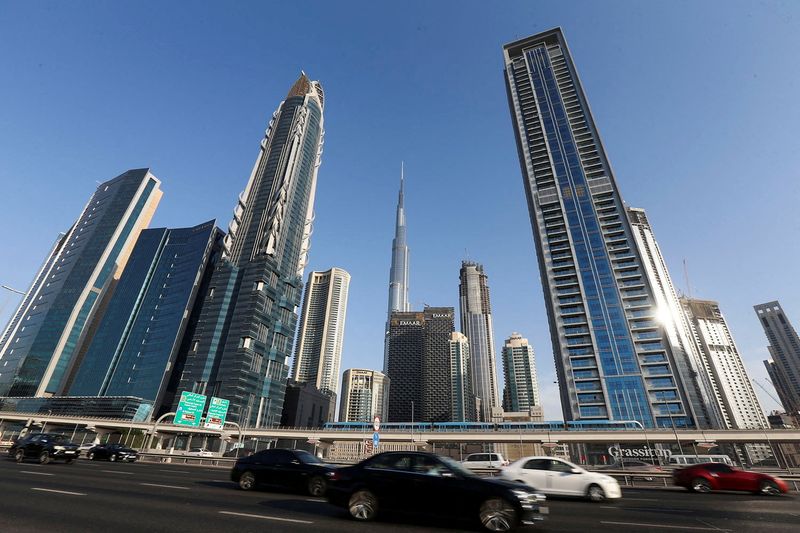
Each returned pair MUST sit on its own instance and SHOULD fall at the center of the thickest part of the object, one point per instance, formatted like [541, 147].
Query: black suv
[44, 447]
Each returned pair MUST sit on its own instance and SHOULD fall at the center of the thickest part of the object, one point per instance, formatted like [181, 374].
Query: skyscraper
[590, 266]
[245, 331]
[735, 396]
[136, 346]
[519, 367]
[365, 394]
[50, 324]
[476, 324]
[461, 397]
[404, 365]
[696, 382]
[318, 351]
[398, 273]
[784, 347]
[437, 399]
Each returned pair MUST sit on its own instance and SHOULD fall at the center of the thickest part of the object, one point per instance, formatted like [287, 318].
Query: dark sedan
[44, 447]
[112, 452]
[719, 476]
[289, 469]
[424, 483]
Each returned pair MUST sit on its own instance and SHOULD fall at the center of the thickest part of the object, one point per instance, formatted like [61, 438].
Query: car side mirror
[576, 471]
[447, 474]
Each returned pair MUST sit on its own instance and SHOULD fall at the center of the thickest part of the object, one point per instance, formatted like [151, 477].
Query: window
[537, 464]
[559, 466]
[245, 342]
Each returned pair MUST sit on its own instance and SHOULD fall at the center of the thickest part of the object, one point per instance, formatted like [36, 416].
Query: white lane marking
[36, 473]
[320, 500]
[279, 519]
[641, 499]
[164, 486]
[60, 491]
[638, 524]
[174, 471]
[118, 472]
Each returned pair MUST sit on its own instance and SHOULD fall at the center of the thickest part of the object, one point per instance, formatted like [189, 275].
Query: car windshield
[307, 458]
[457, 467]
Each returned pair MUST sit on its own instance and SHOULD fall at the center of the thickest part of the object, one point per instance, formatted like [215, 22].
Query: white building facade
[365, 394]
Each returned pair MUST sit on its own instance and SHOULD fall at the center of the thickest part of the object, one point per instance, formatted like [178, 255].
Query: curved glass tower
[242, 340]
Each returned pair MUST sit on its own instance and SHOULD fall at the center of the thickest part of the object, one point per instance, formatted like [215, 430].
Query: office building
[77, 277]
[784, 347]
[318, 351]
[398, 272]
[591, 269]
[462, 399]
[305, 406]
[437, 399]
[670, 320]
[365, 395]
[245, 330]
[406, 350]
[735, 396]
[476, 324]
[135, 348]
[519, 368]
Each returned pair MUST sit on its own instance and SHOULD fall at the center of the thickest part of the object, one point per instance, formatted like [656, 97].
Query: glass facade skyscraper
[244, 334]
[784, 347]
[51, 322]
[476, 324]
[398, 272]
[136, 346]
[595, 289]
[462, 400]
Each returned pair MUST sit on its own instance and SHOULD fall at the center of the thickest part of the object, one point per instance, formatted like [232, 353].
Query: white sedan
[556, 477]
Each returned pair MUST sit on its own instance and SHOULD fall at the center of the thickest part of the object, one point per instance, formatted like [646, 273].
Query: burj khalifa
[398, 274]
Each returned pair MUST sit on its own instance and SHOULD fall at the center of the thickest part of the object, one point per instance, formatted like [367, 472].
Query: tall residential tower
[244, 335]
[476, 324]
[609, 366]
[519, 366]
[318, 351]
[784, 347]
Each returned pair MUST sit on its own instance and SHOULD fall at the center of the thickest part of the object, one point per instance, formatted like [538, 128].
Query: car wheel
[769, 488]
[90, 456]
[595, 493]
[317, 486]
[497, 514]
[700, 485]
[113, 457]
[363, 506]
[19, 456]
[44, 458]
[247, 481]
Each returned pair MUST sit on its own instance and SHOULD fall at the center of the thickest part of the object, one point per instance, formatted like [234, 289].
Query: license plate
[544, 510]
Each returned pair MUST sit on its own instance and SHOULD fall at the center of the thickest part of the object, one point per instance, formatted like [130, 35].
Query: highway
[103, 496]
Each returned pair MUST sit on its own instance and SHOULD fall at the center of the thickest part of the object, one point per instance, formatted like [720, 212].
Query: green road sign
[217, 411]
[190, 409]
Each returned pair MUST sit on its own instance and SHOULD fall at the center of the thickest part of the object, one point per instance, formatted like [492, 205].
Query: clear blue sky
[696, 103]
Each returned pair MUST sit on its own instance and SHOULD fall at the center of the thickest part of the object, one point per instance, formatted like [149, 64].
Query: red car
[718, 476]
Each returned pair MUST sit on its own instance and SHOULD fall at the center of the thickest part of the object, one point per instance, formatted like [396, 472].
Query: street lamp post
[675, 431]
[155, 425]
[412, 423]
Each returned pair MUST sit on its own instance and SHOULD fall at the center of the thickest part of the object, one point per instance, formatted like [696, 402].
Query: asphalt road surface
[103, 496]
